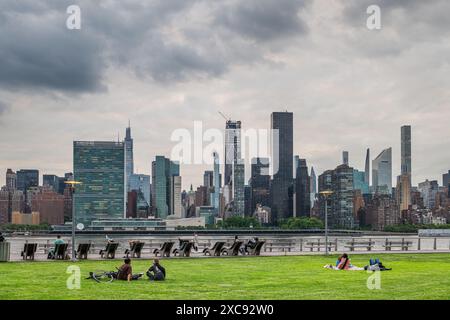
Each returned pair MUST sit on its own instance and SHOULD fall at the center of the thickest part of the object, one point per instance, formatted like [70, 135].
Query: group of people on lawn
[156, 272]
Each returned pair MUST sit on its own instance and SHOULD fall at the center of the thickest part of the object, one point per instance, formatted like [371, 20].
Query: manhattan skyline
[349, 87]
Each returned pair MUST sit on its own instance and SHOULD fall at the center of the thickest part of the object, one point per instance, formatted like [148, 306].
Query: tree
[301, 223]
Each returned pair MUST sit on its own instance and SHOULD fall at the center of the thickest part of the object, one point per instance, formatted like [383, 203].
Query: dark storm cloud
[38, 52]
[263, 20]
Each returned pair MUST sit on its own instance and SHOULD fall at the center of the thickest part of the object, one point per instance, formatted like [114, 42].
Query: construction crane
[228, 119]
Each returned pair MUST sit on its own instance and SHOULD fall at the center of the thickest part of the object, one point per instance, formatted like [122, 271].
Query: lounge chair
[215, 250]
[165, 249]
[233, 250]
[60, 251]
[29, 250]
[110, 251]
[256, 250]
[184, 250]
[83, 250]
[135, 249]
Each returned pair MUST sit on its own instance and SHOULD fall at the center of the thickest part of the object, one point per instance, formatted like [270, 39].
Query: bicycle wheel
[102, 276]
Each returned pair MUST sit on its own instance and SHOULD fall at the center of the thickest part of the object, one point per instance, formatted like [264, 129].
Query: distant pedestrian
[195, 241]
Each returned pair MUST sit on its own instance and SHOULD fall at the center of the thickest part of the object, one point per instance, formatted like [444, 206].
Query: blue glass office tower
[100, 167]
[162, 172]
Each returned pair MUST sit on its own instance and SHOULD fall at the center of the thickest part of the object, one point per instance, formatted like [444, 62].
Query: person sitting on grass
[156, 272]
[126, 271]
[343, 263]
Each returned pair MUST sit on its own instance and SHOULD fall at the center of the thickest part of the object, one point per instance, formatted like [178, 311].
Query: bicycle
[103, 276]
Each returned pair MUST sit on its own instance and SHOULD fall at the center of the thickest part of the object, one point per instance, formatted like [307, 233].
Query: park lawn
[414, 276]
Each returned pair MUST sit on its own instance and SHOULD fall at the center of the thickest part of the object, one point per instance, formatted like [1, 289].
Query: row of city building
[110, 190]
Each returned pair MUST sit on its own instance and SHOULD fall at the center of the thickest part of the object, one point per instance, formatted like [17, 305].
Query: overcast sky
[164, 64]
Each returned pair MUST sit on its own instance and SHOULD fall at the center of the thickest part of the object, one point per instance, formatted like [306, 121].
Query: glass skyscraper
[129, 166]
[302, 190]
[382, 172]
[282, 164]
[232, 148]
[162, 172]
[259, 183]
[100, 167]
[141, 182]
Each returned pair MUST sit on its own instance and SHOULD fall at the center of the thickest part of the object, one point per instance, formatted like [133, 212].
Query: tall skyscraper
[406, 150]
[382, 172]
[163, 170]
[282, 164]
[11, 180]
[313, 185]
[232, 148]
[428, 190]
[359, 181]
[27, 178]
[446, 179]
[175, 196]
[141, 182]
[340, 202]
[100, 167]
[367, 168]
[238, 188]
[302, 190]
[215, 195]
[345, 157]
[403, 191]
[51, 181]
[259, 183]
[129, 165]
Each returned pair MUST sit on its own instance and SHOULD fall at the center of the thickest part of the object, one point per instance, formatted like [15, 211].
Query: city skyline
[348, 87]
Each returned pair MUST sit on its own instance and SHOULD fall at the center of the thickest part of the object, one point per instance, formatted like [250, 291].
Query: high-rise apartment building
[232, 148]
[406, 150]
[259, 183]
[11, 180]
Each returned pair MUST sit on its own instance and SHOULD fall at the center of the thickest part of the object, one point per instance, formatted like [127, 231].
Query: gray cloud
[263, 20]
[38, 52]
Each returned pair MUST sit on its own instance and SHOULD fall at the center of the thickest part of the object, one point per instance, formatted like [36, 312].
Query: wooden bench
[256, 250]
[352, 245]
[279, 245]
[404, 245]
[311, 245]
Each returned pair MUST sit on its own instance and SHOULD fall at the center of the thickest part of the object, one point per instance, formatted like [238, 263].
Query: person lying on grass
[126, 272]
[343, 263]
[156, 272]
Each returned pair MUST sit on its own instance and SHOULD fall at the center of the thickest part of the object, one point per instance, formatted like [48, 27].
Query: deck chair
[165, 249]
[29, 249]
[60, 251]
[233, 250]
[83, 250]
[110, 251]
[135, 250]
[184, 250]
[215, 250]
[255, 251]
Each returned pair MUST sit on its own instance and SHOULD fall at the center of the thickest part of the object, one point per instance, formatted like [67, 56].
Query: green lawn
[414, 276]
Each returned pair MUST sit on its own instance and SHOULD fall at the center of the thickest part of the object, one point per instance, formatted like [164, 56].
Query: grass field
[414, 276]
